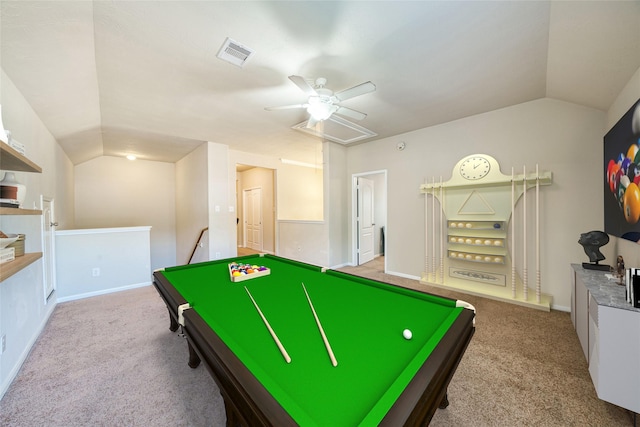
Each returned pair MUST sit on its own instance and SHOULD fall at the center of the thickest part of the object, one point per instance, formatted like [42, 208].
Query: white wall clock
[475, 167]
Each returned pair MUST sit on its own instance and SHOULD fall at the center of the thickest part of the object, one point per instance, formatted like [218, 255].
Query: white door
[48, 245]
[253, 218]
[365, 220]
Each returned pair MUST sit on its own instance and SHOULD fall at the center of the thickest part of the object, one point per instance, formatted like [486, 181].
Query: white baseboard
[103, 292]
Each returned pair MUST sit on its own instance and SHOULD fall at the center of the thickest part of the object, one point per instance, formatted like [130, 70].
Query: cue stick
[525, 274]
[334, 362]
[537, 235]
[513, 236]
[273, 334]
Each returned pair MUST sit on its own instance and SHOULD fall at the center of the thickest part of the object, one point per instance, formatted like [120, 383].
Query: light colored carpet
[112, 361]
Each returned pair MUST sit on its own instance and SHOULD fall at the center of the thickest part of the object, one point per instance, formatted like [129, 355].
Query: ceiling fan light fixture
[320, 110]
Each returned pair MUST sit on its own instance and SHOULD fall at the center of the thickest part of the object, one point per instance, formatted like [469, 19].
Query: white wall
[23, 310]
[300, 193]
[191, 202]
[222, 202]
[561, 137]
[116, 192]
[337, 187]
[97, 261]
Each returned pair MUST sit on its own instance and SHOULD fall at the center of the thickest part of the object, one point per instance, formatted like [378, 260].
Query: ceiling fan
[323, 102]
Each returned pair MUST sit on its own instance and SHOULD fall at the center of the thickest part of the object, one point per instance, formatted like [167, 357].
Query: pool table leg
[233, 420]
[194, 359]
[173, 326]
[444, 402]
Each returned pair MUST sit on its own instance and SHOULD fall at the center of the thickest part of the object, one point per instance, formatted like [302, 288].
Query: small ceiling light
[131, 157]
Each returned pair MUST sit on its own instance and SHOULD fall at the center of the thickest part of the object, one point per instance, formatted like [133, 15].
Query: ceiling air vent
[234, 53]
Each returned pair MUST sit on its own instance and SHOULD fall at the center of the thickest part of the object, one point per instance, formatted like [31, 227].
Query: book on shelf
[9, 203]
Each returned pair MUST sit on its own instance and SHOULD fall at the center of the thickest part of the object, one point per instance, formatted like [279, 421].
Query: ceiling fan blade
[286, 107]
[349, 112]
[303, 85]
[361, 89]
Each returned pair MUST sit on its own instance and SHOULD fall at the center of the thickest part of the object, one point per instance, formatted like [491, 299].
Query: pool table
[380, 377]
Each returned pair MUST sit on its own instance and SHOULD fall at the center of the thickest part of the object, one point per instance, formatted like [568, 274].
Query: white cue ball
[407, 334]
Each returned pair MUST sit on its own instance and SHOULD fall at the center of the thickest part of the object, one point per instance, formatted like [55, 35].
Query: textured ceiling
[118, 77]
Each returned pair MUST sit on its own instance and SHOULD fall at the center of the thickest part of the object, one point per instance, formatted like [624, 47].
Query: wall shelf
[10, 268]
[18, 211]
[11, 160]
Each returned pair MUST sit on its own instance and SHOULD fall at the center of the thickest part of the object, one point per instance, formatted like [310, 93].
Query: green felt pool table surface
[363, 321]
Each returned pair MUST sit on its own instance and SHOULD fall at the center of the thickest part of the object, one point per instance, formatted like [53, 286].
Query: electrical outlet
[3, 346]
[95, 272]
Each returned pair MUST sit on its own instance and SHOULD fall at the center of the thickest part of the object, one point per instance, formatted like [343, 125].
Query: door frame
[52, 255]
[354, 213]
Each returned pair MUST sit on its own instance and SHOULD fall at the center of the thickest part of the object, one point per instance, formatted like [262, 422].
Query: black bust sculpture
[592, 242]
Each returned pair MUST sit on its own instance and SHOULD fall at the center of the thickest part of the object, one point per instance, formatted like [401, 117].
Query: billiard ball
[616, 181]
[453, 225]
[622, 187]
[631, 204]
[407, 334]
[453, 254]
[632, 151]
[609, 170]
[478, 242]
[453, 239]
[633, 171]
[612, 177]
[620, 159]
[625, 165]
[488, 242]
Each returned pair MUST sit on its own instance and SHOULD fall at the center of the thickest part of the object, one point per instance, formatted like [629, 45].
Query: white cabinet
[609, 331]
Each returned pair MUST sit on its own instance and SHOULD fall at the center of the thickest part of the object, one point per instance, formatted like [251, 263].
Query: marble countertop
[604, 288]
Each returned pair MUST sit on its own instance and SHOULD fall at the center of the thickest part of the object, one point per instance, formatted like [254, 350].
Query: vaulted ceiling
[142, 77]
